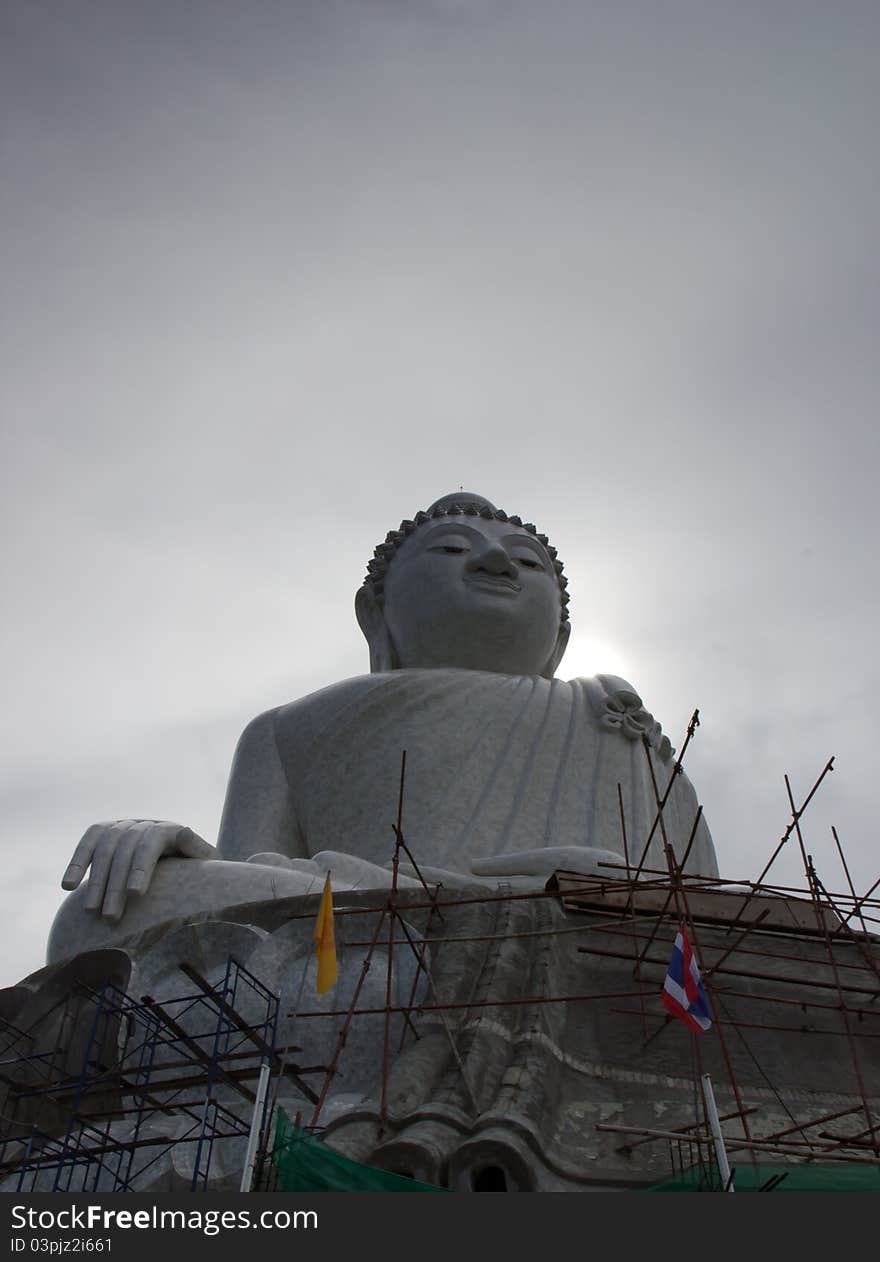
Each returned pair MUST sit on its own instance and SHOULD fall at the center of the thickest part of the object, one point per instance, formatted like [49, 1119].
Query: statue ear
[556, 656]
[371, 621]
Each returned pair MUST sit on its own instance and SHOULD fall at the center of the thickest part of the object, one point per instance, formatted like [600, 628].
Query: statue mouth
[494, 582]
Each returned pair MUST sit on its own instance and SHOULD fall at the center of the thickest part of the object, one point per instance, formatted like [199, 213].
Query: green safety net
[303, 1164]
[779, 1177]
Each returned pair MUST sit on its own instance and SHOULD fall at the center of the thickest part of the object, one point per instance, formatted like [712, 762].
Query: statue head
[465, 585]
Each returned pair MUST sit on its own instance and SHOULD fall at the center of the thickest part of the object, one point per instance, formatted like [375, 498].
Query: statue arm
[259, 814]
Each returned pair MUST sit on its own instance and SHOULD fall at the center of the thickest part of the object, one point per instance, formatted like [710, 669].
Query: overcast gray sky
[277, 274]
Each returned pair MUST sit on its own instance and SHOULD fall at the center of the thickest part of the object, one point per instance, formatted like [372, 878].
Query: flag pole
[302, 981]
[292, 1015]
[247, 1175]
[715, 1127]
[302, 985]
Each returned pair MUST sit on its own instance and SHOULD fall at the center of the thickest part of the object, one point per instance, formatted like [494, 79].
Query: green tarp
[839, 1177]
[303, 1164]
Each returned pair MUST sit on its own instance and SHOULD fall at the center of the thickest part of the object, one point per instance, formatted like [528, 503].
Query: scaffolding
[769, 975]
[87, 1085]
[763, 950]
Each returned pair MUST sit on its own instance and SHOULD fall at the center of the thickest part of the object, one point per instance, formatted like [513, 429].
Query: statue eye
[529, 562]
[452, 547]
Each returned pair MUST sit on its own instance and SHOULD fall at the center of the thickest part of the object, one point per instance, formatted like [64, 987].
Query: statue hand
[123, 855]
[544, 860]
[347, 871]
[440, 876]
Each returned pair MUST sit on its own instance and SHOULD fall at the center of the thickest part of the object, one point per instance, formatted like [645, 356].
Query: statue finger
[155, 840]
[102, 859]
[116, 890]
[82, 855]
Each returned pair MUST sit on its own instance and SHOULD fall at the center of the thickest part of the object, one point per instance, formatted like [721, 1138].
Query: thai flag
[683, 993]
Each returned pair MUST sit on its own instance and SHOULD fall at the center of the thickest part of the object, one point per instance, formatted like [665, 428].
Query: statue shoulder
[298, 722]
[619, 708]
[304, 714]
[260, 809]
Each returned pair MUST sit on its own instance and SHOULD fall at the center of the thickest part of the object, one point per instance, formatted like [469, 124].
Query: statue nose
[494, 559]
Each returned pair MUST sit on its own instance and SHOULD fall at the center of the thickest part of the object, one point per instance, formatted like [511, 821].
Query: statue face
[476, 594]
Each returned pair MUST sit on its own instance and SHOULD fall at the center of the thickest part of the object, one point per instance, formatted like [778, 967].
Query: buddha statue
[511, 773]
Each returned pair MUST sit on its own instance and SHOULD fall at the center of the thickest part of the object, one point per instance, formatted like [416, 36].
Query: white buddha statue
[511, 773]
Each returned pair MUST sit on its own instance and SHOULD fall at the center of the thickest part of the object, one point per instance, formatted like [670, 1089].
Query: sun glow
[587, 655]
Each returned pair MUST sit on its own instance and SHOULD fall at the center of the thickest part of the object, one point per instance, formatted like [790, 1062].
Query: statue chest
[494, 763]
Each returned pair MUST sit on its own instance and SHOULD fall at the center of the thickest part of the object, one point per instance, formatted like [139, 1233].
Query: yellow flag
[325, 943]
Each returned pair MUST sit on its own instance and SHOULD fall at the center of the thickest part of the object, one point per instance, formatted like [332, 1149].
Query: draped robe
[495, 764]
